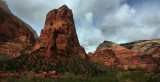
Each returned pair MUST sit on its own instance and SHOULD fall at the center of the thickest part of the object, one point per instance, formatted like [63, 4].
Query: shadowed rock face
[59, 36]
[119, 56]
[12, 28]
[15, 36]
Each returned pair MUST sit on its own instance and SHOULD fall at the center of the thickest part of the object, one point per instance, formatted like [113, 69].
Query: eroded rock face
[133, 62]
[15, 36]
[146, 47]
[107, 57]
[13, 28]
[59, 36]
[130, 60]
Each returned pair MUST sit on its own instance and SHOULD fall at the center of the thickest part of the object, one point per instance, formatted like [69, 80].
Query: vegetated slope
[40, 64]
[38, 67]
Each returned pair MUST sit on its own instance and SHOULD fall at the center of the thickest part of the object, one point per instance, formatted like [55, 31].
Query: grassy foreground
[70, 77]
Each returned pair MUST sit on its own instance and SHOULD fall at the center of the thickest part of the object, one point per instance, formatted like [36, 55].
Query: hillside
[16, 37]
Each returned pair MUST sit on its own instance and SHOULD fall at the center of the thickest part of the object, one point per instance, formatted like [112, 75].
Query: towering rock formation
[115, 55]
[15, 35]
[59, 38]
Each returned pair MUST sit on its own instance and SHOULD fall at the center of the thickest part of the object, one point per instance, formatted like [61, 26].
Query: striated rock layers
[15, 35]
[146, 47]
[115, 55]
[59, 38]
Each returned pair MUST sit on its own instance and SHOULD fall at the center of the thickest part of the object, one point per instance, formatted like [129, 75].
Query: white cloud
[89, 17]
[148, 17]
[125, 25]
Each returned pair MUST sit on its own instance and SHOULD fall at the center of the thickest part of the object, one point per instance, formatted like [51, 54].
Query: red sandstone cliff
[15, 35]
[59, 38]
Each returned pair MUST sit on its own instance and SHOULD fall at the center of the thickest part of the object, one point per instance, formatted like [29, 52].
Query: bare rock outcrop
[59, 38]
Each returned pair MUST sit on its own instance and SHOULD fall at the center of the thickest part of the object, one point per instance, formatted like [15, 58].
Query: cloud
[97, 20]
[125, 25]
[119, 19]
[148, 17]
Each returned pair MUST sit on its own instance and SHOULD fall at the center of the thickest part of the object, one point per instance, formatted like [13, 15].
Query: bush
[133, 76]
[69, 75]
[103, 79]
[155, 77]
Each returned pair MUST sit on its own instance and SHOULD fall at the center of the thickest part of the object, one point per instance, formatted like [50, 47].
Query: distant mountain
[137, 56]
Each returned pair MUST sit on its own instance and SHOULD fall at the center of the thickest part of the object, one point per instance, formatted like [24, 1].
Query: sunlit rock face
[146, 47]
[110, 45]
[59, 38]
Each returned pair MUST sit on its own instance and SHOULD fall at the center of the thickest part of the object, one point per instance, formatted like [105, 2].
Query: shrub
[155, 77]
[133, 76]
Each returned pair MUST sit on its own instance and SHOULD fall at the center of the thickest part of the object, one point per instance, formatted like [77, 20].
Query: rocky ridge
[124, 58]
[110, 45]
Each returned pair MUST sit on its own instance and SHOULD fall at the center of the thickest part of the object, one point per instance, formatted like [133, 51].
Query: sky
[119, 21]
